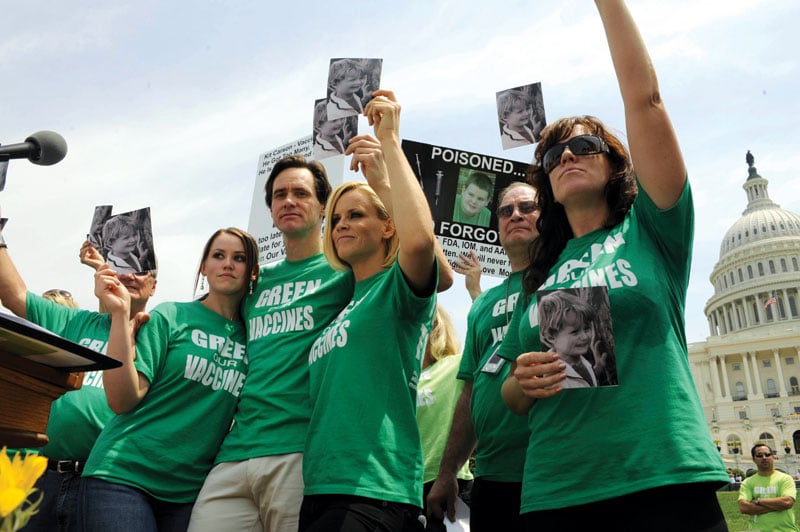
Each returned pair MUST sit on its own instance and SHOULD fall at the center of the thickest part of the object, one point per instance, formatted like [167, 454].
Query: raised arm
[407, 204]
[124, 386]
[654, 147]
[13, 292]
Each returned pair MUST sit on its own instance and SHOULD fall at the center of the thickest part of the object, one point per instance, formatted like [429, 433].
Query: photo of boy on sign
[471, 203]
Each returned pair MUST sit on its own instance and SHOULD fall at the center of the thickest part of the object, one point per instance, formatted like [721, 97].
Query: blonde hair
[62, 297]
[443, 340]
[392, 244]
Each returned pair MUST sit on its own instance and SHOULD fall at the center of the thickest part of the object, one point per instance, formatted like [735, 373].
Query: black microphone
[43, 147]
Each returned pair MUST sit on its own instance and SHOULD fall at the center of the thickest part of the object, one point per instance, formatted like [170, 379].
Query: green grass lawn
[737, 520]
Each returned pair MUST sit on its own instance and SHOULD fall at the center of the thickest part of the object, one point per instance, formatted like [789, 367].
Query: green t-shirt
[437, 394]
[502, 436]
[196, 364]
[293, 302]
[650, 430]
[481, 218]
[778, 484]
[78, 416]
[364, 368]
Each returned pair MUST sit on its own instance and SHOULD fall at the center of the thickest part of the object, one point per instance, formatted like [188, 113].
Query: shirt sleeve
[152, 344]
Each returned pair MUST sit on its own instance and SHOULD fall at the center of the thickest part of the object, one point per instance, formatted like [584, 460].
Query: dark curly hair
[553, 226]
[322, 186]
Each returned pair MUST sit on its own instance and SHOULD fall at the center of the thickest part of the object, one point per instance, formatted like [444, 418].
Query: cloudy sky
[168, 105]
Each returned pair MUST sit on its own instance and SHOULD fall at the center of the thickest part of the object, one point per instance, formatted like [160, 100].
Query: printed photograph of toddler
[576, 324]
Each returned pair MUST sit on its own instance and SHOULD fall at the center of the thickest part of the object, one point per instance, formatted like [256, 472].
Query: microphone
[43, 148]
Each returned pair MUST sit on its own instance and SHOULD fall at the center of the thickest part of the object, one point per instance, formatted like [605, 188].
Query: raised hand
[383, 113]
[90, 256]
[470, 267]
[111, 292]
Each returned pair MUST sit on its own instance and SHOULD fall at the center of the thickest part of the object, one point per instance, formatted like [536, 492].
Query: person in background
[61, 297]
[768, 496]
[77, 417]
[174, 398]
[437, 394]
[481, 422]
[623, 223]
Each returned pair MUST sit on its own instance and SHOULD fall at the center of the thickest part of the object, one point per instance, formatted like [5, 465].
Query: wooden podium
[27, 390]
[36, 368]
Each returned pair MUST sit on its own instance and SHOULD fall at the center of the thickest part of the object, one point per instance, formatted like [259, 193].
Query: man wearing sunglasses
[768, 496]
[78, 416]
[481, 421]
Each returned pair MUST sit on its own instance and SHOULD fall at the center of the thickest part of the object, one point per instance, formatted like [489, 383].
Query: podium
[36, 368]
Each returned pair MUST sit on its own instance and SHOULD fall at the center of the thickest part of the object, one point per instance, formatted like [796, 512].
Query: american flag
[771, 301]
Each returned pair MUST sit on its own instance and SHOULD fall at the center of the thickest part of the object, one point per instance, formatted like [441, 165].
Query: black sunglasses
[525, 207]
[580, 145]
[763, 455]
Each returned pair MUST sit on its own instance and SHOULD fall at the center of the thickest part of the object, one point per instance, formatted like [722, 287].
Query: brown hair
[321, 184]
[553, 226]
[250, 251]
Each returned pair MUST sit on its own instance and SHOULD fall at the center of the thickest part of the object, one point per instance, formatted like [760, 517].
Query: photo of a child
[471, 203]
[520, 112]
[127, 241]
[351, 83]
[576, 324]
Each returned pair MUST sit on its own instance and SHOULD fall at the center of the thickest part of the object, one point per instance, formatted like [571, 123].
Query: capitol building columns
[747, 372]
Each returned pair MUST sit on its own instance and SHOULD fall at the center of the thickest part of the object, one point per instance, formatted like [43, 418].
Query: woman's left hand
[383, 113]
[540, 374]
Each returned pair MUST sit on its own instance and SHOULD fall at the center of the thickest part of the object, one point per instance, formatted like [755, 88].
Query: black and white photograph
[351, 83]
[331, 136]
[575, 323]
[520, 113]
[128, 242]
[95, 234]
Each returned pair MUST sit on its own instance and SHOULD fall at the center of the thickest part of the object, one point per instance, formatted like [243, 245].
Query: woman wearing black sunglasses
[623, 222]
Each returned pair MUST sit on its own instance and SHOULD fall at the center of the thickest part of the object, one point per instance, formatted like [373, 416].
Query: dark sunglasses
[580, 145]
[763, 455]
[525, 207]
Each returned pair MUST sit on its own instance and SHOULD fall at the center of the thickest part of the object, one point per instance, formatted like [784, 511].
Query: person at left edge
[362, 464]
[174, 400]
[77, 417]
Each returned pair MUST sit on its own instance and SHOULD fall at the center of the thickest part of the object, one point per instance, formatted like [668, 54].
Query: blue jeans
[58, 511]
[110, 507]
